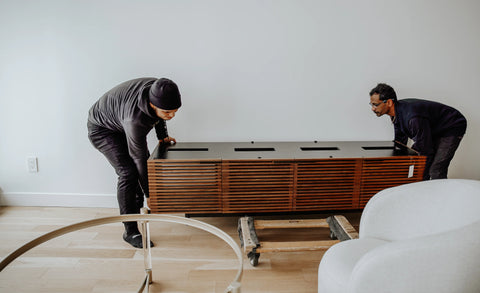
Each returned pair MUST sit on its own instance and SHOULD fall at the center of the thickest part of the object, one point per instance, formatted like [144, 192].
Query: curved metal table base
[144, 219]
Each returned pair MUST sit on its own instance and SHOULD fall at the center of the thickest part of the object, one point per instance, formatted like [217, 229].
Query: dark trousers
[113, 145]
[445, 149]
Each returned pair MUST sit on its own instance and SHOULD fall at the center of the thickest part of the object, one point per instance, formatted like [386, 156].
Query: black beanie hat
[164, 94]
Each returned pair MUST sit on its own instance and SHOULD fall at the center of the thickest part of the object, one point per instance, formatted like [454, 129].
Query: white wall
[247, 70]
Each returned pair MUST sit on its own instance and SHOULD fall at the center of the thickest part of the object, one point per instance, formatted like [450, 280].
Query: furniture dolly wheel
[253, 257]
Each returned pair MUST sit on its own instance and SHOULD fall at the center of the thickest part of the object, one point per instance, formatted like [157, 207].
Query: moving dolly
[340, 230]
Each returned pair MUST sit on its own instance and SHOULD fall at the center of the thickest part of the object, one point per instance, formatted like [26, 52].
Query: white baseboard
[58, 200]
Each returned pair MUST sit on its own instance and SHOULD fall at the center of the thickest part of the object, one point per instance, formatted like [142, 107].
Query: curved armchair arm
[437, 263]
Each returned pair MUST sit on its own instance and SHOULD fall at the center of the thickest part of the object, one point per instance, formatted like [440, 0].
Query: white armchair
[419, 237]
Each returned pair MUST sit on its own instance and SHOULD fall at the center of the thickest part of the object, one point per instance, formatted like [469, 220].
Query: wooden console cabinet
[263, 177]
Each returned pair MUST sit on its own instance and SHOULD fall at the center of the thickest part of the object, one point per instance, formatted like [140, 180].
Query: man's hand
[168, 140]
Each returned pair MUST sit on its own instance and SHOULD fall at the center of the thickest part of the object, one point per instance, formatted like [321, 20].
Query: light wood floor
[185, 259]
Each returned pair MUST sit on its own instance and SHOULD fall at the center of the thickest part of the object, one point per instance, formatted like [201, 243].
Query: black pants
[445, 149]
[113, 145]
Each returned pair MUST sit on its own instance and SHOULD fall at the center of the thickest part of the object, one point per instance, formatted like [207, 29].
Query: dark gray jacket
[125, 109]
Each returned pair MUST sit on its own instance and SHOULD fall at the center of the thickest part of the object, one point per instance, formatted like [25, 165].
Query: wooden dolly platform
[340, 230]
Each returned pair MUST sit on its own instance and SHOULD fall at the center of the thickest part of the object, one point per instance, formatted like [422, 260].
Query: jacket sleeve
[400, 136]
[138, 150]
[161, 129]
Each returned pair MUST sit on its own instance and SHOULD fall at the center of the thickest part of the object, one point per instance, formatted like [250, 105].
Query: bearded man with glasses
[436, 129]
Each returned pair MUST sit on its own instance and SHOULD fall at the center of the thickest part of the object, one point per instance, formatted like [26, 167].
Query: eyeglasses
[377, 104]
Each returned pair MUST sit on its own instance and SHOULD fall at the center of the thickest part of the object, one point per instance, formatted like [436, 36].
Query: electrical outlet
[32, 164]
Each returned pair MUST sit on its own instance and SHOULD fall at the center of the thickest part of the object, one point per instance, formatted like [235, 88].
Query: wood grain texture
[184, 259]
[242, 183]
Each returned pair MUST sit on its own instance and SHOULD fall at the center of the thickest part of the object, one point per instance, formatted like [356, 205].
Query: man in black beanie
[118, 124]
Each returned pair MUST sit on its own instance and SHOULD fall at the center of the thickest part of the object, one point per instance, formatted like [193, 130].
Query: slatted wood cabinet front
[258, 182]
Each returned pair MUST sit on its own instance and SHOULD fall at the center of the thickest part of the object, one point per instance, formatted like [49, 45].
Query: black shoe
[135, 239]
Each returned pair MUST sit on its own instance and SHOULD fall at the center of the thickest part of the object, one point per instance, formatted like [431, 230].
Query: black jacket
[424, 121]
[125, 109]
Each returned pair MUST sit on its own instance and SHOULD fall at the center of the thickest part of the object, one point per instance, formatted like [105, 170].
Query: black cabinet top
[279, 150]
